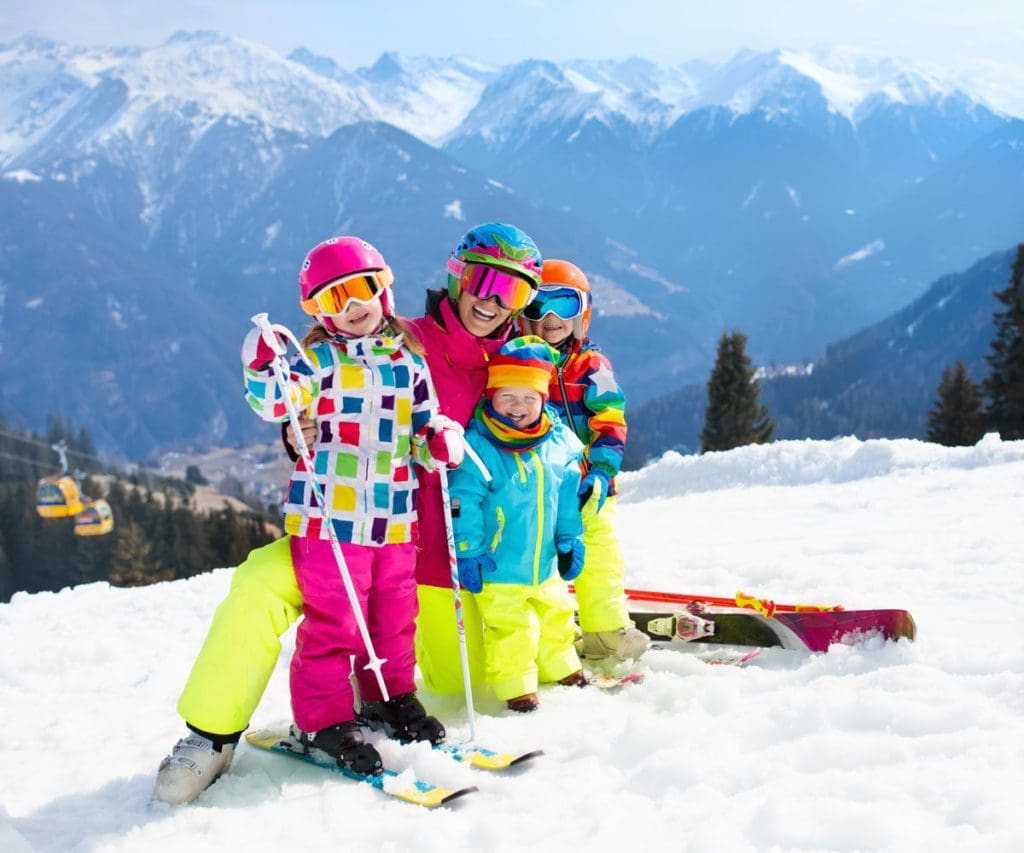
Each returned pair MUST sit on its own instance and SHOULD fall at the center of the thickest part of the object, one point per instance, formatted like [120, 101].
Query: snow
[453, 210]
[881, 746]
[872, 248]
[22, 176]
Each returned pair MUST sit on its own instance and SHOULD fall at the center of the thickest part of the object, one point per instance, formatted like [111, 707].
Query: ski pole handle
[277, 337]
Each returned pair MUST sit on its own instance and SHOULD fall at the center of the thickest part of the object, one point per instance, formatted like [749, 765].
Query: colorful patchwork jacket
[371, 398]
[529, 503]
[595, 403]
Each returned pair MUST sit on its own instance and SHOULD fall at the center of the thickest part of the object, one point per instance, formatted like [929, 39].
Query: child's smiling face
[519, 404]
[360, 318]
[551, 328]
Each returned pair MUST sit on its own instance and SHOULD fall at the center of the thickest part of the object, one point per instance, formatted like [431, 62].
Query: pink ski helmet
[339, 257]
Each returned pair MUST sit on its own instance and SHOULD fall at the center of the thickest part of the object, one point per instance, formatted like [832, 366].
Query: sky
[902, 747]
[943, 33]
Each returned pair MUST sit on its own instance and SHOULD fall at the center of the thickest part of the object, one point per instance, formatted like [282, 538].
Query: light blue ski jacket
[528, 505]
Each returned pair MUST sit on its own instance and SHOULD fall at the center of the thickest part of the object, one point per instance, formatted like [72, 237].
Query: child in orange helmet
[587, 397]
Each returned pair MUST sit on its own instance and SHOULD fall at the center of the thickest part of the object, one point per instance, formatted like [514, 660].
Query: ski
[614, 682]
[722, 658]
[482, 758]
[478, 757]
[418, 792]
[807, 630]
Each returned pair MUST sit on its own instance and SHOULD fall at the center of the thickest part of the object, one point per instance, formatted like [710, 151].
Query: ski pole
[472, 454]
[280, 368]
[460, 624]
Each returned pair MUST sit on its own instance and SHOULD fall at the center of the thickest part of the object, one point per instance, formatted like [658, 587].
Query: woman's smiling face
[481, 317]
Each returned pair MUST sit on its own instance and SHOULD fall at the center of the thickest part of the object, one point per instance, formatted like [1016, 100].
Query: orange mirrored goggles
[333, 297]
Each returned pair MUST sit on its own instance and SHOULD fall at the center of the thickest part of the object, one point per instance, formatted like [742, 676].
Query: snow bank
[795, 463]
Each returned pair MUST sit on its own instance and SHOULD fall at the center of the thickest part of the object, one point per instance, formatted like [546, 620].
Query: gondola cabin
[58, 497]
[95, 520]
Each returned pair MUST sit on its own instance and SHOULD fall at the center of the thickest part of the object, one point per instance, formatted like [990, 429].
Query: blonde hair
[317, 334]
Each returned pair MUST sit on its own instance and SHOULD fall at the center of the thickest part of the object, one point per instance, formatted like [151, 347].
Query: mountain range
[158, 197]
[878, 383]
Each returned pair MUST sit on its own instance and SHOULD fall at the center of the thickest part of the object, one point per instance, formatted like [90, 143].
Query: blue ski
[418, 792]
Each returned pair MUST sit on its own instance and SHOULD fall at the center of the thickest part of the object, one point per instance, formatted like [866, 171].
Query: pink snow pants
[328, 636]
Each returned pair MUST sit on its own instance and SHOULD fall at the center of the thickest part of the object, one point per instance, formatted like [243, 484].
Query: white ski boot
[193, 765]
[624, 644]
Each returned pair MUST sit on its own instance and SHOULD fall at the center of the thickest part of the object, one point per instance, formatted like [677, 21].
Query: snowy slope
[901, 747]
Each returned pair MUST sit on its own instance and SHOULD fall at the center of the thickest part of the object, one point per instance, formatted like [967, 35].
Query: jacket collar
[463, 347]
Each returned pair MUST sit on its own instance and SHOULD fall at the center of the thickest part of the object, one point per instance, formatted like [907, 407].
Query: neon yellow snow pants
[437, 640]
[600, 588]
[528, 638]
[242, 645]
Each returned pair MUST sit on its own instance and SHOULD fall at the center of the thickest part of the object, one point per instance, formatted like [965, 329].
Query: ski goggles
[335, 296]
[565, 302]
[513, 291]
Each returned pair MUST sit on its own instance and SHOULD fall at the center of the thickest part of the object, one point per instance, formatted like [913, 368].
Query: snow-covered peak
[40, 79]
[536, 92]
[756, 80]
[425, 96]
[855, 81]
[226, 76]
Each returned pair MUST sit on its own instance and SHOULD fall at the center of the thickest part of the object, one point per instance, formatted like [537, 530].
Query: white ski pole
[472, 454]
[281, 368]
[456, 588]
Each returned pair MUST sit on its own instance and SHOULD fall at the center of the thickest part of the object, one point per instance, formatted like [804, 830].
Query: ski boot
[524, 704]
[575, 679]
[345, 744]
[402, 717]
[626, 643]
[193, 765]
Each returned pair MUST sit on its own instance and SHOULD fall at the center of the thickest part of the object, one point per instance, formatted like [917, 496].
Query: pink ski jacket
[458, 365]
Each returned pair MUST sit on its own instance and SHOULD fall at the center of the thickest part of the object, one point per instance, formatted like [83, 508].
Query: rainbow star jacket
[594, 402]
[372, 399]
[529, 504]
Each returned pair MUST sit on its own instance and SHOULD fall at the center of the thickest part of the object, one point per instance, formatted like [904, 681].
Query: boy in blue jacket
[519, 534]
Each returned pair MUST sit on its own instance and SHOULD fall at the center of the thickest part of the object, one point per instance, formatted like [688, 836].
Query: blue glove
[570, 558]
[471, 571]
[596, 479]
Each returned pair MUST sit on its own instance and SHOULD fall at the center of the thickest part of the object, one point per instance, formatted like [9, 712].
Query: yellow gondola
[95, 520]
[58, 497]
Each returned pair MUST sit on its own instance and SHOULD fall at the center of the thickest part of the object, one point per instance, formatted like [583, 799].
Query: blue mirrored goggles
[565, 302]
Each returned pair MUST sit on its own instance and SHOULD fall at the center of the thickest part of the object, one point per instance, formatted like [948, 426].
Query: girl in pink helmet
[371, 395]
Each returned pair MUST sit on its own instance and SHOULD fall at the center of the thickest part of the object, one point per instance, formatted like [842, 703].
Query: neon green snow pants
[600, 588]
[529, 635]
[242, 645]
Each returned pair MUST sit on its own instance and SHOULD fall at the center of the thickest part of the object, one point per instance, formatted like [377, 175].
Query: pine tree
[131, 564]
[957, 419]
[1004, 386]
[734, 415]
